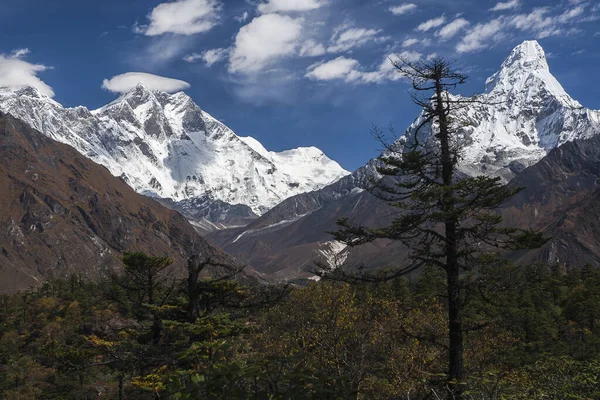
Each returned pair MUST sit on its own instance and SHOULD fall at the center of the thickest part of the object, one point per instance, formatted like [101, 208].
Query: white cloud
[350, 70]
[242, 18]
[508, 5]
[354, 37]
[410, 42]
[453, 28]
[20, 53]
[16, 72]
[543, 24]
[125, 82]
[403, 8]
[213, 56]
[432, 23]
[272, 6]
[573, 32]
[209, 57]
[540, 21]
[537, 20]
[410, 56]
[386, 71]
[265, 39]
[569, 15]
[193, 57]
[310, 48]
[339, 68]
[480, 36]
[414, 41]
[183, 17]
[590, 16]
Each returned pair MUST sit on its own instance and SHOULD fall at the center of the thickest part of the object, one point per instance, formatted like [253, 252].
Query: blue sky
[288, 72]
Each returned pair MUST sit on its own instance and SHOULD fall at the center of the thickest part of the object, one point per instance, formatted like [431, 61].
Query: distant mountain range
[271, 210]
[166, 147]
[524, 115]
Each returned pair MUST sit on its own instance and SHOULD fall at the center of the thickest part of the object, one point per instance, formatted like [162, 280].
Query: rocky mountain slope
[62, 213]
[523, 115]
[562, 199]
[165, 146]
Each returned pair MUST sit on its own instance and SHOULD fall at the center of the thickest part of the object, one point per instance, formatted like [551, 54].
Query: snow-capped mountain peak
[526, 74]
[26, 91]
[529, 55]
[165, 146]
[522, 115]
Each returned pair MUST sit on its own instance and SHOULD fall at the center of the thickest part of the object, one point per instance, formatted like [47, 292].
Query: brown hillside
[61, 213]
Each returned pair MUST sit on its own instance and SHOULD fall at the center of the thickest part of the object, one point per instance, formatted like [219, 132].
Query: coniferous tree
[446, 220]
[145, 278]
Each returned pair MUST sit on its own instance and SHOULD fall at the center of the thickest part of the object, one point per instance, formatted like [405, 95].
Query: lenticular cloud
[125, 82]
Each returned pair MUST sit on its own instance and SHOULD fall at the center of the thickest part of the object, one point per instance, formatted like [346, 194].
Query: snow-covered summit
[526, 73]
[165, 146]
[528, 56]
[522, 115]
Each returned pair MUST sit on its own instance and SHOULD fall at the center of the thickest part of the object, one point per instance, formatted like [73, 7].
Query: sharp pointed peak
[141, 90]
[28, 91]
[526, 66]
[181, 94]
[137, 95]
[527, 55]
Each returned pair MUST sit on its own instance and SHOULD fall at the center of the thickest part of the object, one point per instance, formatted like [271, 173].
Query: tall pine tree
[446, 219]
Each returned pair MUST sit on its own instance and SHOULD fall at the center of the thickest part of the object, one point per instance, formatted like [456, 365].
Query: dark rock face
[562, 197]
[61, 213]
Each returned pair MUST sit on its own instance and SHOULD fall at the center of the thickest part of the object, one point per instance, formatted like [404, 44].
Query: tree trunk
[193, 293]
[455, 356]
[150, 288]
[121, 388]
[156, 328]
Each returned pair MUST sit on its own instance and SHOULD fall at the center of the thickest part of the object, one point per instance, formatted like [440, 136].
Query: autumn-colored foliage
[535, 336]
